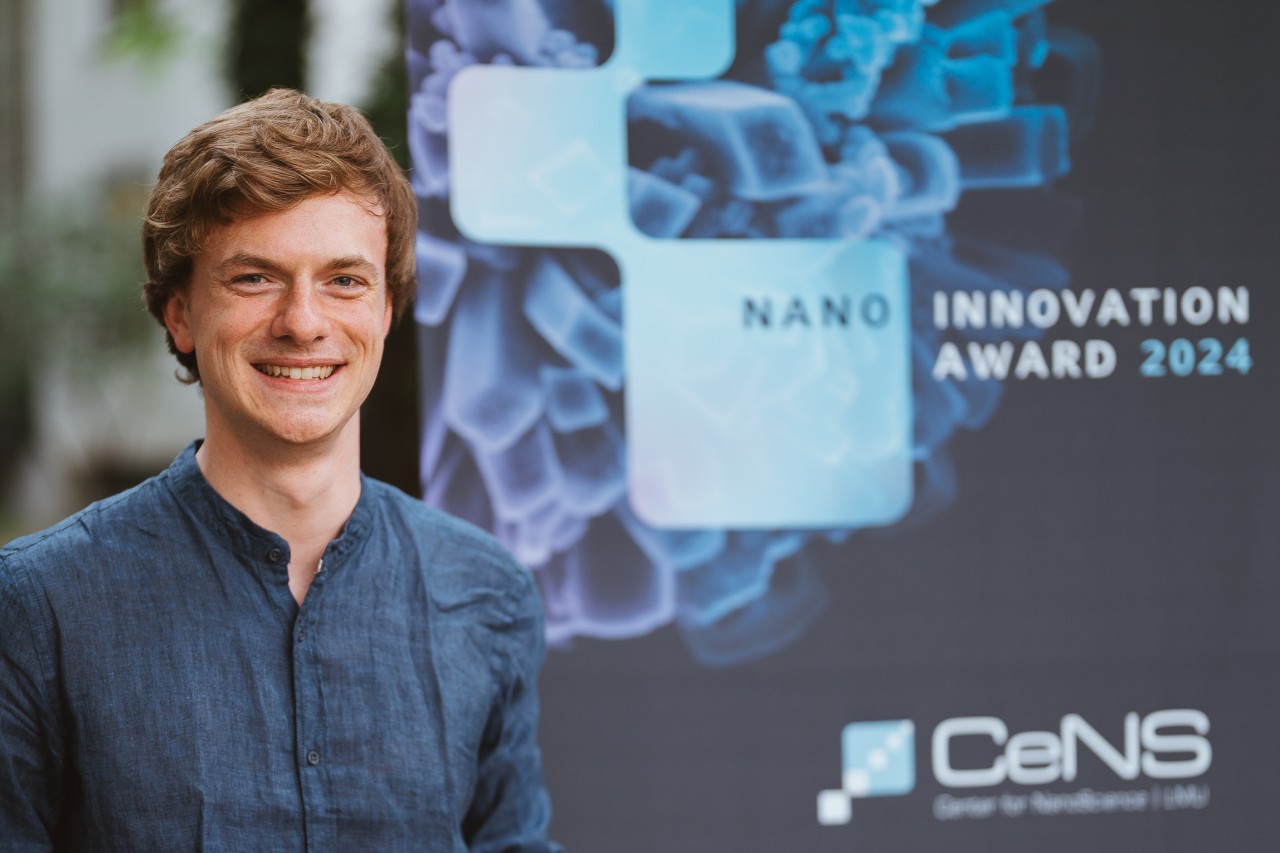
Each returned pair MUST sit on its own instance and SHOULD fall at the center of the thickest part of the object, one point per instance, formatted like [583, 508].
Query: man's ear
[387, 315]
[177, 320]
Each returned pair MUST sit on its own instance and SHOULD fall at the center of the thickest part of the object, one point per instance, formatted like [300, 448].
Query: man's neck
[304, 494]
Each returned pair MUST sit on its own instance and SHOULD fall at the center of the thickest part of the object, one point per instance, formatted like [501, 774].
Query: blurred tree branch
[390, 432]
[267, 46]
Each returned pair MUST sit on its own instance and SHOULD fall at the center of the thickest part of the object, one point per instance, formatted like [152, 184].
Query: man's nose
[301, 315]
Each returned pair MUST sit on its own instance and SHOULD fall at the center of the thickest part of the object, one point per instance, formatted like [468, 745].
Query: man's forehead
[344, 213]
[243, 210]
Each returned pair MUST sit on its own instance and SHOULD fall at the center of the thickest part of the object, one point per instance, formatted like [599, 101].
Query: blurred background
[1102, 549]
[92, 94]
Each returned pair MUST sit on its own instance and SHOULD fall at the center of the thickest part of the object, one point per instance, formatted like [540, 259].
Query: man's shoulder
[464, 562]
[97, 529]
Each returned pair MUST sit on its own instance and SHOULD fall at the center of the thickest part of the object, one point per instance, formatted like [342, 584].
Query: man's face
[287, 313]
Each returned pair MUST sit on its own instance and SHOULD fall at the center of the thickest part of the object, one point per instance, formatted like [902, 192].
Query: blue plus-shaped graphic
[768, 382]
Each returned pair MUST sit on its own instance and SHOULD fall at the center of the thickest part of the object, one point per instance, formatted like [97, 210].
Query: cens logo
[878, 758]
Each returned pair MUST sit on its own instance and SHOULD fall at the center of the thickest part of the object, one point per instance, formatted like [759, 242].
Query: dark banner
[882, 393]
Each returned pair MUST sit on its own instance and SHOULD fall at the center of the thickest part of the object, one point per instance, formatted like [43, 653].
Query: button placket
[310, 739]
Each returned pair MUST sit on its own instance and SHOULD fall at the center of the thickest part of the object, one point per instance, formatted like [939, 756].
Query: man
[260, 648]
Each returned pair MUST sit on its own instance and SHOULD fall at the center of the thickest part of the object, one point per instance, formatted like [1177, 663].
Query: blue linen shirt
[160, 689]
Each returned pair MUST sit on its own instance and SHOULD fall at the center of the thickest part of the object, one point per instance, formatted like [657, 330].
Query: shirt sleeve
[510, 810]
[30, 763]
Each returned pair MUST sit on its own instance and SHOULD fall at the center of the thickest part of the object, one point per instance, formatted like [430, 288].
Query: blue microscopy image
[585, 168]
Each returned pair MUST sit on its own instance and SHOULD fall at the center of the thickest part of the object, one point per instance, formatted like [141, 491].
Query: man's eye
[251, 278]
[345, 281]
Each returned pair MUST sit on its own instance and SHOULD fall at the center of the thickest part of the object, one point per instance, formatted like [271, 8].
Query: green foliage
[69, 280]
[144, 31]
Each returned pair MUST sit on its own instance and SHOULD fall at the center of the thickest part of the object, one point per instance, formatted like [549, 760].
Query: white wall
[349, 39]
[90, 116]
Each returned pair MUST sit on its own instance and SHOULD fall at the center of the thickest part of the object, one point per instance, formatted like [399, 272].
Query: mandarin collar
[193, 492]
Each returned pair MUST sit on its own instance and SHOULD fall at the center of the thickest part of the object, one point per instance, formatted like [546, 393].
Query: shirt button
[302, 632]
[274, 555]
[313, 757]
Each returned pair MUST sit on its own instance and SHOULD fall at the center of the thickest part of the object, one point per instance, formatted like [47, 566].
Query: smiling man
[260, 648]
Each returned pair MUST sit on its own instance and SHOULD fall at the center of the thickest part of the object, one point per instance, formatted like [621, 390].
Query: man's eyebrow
[357, 263]
[243, 259]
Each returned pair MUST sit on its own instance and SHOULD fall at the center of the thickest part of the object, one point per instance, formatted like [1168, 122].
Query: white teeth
[277, 370]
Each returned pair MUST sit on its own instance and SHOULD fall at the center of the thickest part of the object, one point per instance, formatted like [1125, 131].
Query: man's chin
[293, 433]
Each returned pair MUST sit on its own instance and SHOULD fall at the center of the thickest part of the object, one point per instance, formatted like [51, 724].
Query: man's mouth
[281, 371]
